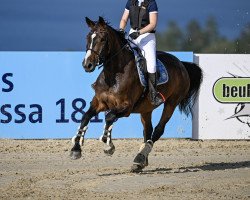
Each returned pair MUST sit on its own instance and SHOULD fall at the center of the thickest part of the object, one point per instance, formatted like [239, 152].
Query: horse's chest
[111, 87]
[111, 92]
[110, 99]
[107, 96]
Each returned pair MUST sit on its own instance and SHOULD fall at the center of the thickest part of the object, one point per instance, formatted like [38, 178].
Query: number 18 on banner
[78, 105]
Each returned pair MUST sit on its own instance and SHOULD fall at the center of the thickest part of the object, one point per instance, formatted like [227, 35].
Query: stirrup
[163, 98]
[158, 100]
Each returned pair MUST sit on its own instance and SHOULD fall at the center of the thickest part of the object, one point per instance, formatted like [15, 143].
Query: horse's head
[96, 43]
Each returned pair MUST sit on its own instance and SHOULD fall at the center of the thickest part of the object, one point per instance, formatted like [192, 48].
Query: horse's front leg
[78, 140]
[106, 137]
[111, 117]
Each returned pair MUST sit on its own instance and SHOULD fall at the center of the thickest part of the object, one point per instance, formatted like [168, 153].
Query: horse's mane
[118, 33]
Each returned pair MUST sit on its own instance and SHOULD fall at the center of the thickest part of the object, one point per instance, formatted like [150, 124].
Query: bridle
[101, 57]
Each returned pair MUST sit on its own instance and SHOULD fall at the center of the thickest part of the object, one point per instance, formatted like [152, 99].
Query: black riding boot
[155, 97]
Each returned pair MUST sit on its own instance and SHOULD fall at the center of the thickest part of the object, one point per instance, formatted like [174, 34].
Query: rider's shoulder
[152, 7]
[152, 1]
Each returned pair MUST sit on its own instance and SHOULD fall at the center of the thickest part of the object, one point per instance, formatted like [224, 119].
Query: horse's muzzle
[88, 67]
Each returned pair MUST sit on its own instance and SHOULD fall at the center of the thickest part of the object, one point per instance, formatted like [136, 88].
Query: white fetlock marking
[145, 149]
[108, 139]
[150, 142]
[85, 129]
[109, 148]
[73, 139]
[108, 135]
[110, 128]
[100, 138]
[81, 141]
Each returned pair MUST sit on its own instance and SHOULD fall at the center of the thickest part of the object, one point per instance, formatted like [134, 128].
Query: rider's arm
[152, 23]
[124, 19]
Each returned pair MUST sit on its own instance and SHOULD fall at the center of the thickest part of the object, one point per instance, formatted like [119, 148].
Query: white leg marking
[108, 139]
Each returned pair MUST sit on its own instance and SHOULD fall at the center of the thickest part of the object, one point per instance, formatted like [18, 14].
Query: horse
[118, 90]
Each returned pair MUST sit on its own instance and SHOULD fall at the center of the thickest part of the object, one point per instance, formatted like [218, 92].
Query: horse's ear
[101, 21]
[90, 23]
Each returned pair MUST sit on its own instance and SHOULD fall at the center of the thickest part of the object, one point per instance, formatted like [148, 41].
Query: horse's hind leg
[109, 148]
[166, 115]
[141, 159]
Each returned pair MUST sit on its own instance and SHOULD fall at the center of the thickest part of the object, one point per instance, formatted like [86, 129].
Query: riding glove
[122, 31]
[134, 35]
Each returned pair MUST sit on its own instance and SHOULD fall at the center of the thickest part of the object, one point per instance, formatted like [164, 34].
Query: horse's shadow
[205, 167]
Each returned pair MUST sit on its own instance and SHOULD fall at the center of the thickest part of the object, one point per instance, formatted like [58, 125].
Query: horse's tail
[196, 76]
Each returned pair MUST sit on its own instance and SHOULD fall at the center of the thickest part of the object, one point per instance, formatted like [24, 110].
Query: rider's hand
[122, 31]
[134, 35]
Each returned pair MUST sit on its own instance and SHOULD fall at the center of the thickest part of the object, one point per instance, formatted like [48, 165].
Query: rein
[101, 59]
[117, 53]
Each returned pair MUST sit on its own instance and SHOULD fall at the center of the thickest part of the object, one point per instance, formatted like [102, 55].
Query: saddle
[162, 74]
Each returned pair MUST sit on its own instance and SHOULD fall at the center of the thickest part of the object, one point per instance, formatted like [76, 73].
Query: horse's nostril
[90, 65]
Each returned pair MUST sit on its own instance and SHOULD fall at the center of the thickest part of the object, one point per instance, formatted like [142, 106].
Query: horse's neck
[113, 72]
[115, 68]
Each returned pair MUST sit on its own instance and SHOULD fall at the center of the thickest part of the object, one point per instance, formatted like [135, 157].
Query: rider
[143, 20]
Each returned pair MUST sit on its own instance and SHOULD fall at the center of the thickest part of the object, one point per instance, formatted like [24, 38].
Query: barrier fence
[222, 110]
[44, 95]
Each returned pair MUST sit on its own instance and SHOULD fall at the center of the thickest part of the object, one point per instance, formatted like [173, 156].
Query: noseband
[100, 56]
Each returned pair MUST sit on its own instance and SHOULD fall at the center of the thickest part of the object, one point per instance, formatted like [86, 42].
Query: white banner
[222, 110]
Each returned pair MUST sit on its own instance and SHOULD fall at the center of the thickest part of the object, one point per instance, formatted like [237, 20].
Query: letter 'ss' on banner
[45, 95]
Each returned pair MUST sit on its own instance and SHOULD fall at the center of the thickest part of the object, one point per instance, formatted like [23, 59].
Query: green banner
[232, 90]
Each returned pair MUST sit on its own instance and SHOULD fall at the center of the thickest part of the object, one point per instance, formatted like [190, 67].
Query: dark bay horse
[119, 92]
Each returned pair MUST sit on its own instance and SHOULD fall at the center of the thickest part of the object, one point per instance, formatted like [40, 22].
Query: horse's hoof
[109, 150]
[140, 162]
[141, 159]
[75, 155]
[136, 168]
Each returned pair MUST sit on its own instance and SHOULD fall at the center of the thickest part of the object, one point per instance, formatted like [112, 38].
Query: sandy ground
[178, 169]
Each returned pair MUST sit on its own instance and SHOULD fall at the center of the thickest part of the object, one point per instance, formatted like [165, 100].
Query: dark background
[58, 25]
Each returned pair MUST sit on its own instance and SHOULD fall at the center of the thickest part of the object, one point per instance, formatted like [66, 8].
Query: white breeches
[147, 43]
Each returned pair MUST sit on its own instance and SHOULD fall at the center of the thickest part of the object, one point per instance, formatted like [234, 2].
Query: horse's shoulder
[100, 83]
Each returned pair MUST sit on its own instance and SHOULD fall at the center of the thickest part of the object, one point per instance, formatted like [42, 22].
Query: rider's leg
[148, 45]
